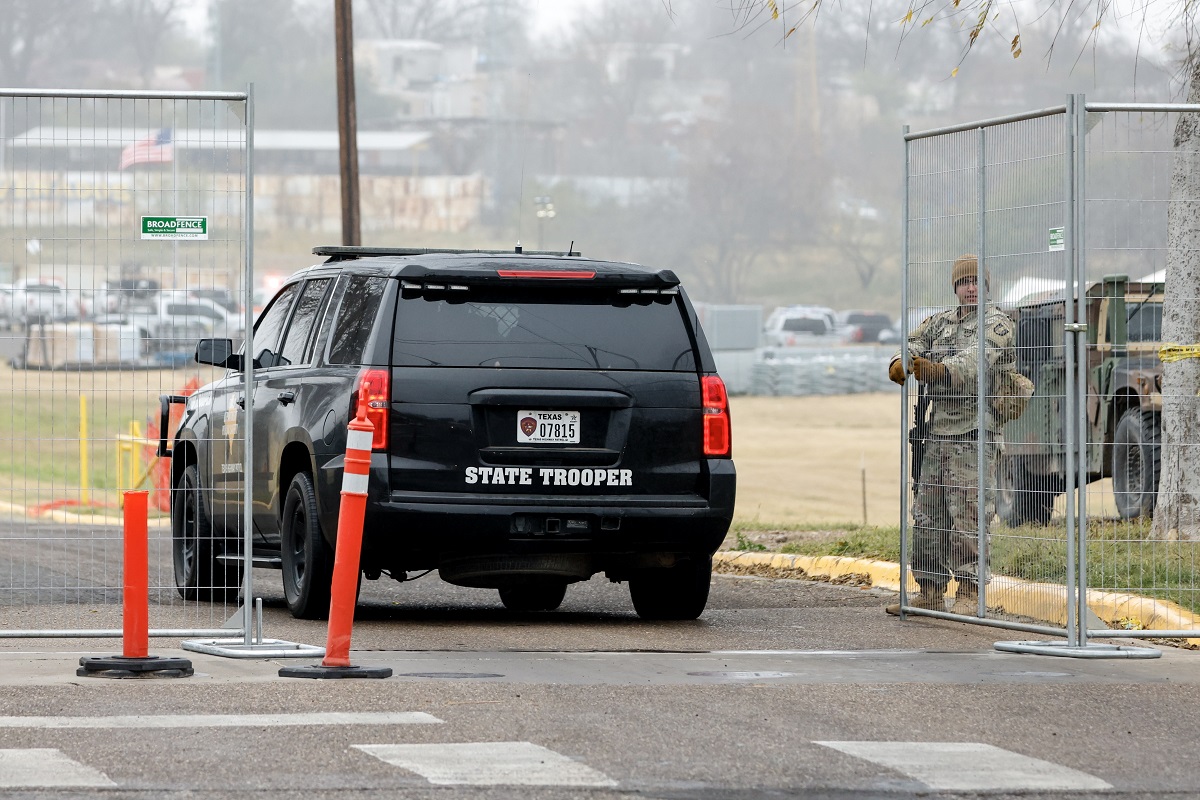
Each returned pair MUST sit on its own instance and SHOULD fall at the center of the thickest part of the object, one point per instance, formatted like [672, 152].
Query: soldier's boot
[966, 598]
[932, 597]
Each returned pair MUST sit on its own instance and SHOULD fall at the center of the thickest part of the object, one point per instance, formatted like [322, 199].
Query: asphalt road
[781, 689]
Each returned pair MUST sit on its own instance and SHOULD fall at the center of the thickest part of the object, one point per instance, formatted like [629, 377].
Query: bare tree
[1177, 511]
[146, 24]
[436, 20]
[748, 200]
[856, 236]
[30, 30]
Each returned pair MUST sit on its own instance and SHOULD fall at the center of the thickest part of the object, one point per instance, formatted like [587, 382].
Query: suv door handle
[287, 397]
[241, 400]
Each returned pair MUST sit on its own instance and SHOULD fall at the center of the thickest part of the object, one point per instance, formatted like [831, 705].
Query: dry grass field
[800, 460]
[40, 414]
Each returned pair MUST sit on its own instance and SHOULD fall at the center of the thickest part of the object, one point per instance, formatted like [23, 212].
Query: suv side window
[270, 325]
[301, 326]
[355, 319]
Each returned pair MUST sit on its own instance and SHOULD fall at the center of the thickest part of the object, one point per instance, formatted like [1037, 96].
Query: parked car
[219, 295]
[7, 317]
[40, 300]
[173, 324]
[862, 326]
[116, 296]
[789, 326]
[537, 419]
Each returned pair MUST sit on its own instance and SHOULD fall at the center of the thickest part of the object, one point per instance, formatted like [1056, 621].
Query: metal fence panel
[1137, 546]
[1081, 215]
[123, 239]
[997, 191]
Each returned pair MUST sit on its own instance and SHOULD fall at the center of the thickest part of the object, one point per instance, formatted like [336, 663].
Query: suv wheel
[193, 550]
[678, 592]
[534, 596]
[307, 557]
[1136, 463]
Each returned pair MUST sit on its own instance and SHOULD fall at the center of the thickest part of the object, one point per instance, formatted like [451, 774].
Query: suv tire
[678, 592]
[540, 596]
[193, 550]
[1136, 463]
[307, 557]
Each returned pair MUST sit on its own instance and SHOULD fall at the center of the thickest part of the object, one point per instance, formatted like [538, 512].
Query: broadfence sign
[175, 228]
[1058, 240]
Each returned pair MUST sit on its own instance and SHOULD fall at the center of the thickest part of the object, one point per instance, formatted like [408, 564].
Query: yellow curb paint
[1043, 601]
[69, 518]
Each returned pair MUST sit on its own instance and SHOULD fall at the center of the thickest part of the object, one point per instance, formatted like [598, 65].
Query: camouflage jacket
[950, 338]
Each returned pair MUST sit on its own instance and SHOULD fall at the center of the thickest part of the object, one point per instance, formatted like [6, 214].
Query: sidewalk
[1042, 601]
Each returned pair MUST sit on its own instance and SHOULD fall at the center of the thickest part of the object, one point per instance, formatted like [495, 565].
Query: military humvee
[1124, 401]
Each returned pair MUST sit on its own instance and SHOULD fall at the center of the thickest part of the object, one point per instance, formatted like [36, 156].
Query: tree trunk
[1177, 511]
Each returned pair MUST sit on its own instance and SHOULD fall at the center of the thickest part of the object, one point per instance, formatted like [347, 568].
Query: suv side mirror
[218, 353]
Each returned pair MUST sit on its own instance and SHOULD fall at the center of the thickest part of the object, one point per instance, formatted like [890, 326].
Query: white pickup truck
[38, 300]
[174, 322]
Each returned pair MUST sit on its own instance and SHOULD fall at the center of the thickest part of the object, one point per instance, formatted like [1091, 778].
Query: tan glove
[929, 371]
[896, 371]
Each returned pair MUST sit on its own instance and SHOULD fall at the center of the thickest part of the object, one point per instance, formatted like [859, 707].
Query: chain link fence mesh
[100, 310]
[1139, 544]
[1090, 486]
[998, 192]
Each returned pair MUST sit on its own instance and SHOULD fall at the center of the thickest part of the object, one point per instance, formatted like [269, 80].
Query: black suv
[538, 418]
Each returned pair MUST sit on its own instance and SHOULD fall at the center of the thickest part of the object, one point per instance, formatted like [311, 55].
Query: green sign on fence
[1057, 240]
[174, 227]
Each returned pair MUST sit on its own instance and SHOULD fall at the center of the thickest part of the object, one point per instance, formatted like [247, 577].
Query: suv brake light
[717, 438]
[374, 385]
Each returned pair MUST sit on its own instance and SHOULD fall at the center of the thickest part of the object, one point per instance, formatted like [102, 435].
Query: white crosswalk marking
[225, 720]
[45, 766]
[488, 764]
[971, 767]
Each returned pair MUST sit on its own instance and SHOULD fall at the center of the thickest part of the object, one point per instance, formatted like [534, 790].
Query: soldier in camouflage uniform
[944, 357]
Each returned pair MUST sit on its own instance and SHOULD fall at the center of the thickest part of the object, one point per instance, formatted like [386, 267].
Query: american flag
[155, 149]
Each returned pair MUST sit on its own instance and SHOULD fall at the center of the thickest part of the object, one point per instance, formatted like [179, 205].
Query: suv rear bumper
[415, 531]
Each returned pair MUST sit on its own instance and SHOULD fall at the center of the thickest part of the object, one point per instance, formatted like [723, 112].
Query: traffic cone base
[140, 667]
[322, 671]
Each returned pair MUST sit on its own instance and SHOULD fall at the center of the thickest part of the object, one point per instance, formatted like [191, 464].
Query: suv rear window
[805, 325]
[547, 330]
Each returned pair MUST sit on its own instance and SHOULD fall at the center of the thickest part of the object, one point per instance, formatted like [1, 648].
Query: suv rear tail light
[717, 438]
[375, 386]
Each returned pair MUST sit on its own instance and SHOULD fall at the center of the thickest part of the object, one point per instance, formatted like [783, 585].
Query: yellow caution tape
[1178, 352]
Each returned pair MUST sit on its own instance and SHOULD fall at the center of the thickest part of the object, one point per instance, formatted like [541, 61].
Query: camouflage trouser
[946, 513]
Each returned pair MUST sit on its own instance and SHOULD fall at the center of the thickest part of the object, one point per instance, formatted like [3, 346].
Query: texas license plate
[547, 427]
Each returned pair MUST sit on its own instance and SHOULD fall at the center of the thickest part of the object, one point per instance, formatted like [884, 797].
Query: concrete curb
[1043, 601]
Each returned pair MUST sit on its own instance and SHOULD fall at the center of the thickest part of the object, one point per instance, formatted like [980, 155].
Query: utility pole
[347, 121]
